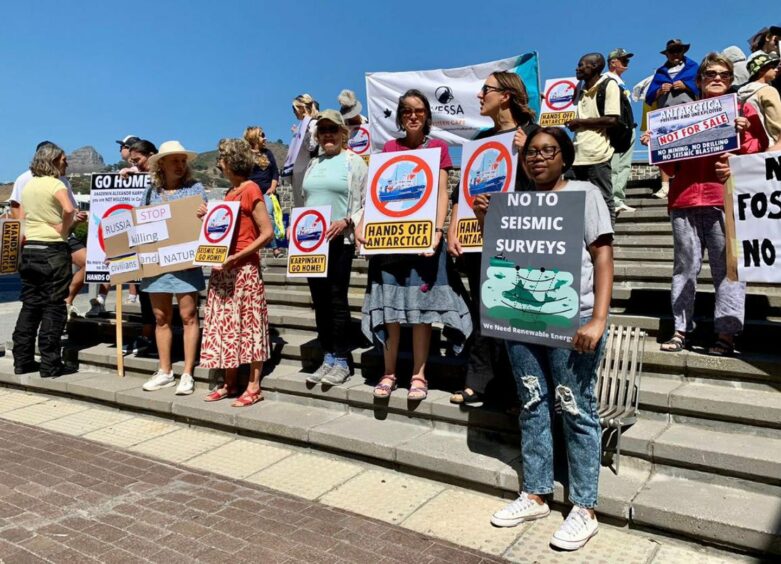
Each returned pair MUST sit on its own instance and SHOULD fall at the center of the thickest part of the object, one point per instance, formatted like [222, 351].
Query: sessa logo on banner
[444, 95]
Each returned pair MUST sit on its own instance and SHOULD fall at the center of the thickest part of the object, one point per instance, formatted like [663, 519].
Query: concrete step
[643, 215]
[686, 507]
[692, 506]
[756, 458]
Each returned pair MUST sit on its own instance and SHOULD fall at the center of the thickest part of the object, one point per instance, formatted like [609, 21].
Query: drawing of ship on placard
[359, 140]
[310, 233]
[401, 187]
[561, 98]
[218, 224]
[488, 177]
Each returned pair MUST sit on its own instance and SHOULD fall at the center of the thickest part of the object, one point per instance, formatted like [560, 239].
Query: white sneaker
[661, 193]
[576, 530]
[73, 312]
[132, 298]
[519, 511]
[625, 208]
[159, 380]
[186, 385]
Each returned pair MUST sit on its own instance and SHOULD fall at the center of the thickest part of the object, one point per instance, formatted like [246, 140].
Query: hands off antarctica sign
[558, 101]
[491, 166]
[10, 241]
[110, 194]
[754, 192]
[217, 230]
[696, 129]
[531, 264]
[401, 202]
[308, 249]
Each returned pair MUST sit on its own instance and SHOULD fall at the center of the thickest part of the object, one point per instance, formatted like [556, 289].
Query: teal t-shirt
[326, 184]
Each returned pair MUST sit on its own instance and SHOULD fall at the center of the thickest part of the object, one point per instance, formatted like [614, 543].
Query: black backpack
[620, 135]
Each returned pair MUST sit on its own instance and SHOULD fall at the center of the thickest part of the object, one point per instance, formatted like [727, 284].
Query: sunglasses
[420, 113]
[711, 74]
[487, 88]
[327, 128]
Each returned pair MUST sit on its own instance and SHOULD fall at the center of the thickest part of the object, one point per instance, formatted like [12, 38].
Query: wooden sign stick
[118, 326]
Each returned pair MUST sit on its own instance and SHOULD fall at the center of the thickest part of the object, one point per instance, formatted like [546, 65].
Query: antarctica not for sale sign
[401, 202]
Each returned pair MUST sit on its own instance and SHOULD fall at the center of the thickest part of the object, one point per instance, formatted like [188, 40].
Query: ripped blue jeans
[543, 374]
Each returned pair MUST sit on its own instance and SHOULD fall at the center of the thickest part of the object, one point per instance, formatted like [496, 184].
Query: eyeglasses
[327, 128]
[262, 135]
[548, 152]
[420, 113]
[487, 88]
[711, 74]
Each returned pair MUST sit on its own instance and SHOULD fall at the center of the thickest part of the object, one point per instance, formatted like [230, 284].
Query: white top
[615, 77]
[26, 176]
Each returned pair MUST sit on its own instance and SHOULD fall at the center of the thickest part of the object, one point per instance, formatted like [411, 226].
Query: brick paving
[67, 499]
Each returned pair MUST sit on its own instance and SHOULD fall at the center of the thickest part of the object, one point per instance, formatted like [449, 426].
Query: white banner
[452, 94]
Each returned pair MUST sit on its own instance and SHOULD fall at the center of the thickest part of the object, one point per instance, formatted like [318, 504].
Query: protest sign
[753, 213]
[696, 129]
[308, 249]
[163, 237]
[452, 94]
[558, 101]
[217, 230]
[110, 194]
[295, 147]
[359, 140]
[530, 277]
[401, 202]
[10, 241]
[491, 165]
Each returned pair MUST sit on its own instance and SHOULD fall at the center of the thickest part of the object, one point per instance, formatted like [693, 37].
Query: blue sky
[89, 72]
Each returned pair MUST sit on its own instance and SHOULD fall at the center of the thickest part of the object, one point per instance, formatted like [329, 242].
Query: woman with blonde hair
[305, 108]
[236, 322]
[172, 180]
[45, 270]
[265, 172]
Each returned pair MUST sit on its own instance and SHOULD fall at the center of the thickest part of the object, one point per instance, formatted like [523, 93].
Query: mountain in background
[85, 160]
[206, 172]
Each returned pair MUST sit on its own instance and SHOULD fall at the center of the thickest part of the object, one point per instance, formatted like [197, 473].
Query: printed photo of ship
[311, 229]
[403, 185]
[490, 176]
[358, 141]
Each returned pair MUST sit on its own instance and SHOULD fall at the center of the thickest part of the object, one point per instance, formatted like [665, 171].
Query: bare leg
[421, 339]
[231, 375]
[391, 350]
[253, 385]
[188, 311]
[79, 258]
[162, 305]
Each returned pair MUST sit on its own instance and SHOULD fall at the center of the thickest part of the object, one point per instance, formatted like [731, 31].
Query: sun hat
[350, 106]
[331, 115]
[759, 60]
[675, 43]
[170, 148]
[619, 53]
[128, 140]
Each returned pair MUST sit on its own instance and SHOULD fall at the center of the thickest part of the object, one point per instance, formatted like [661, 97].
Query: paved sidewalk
[78, 481]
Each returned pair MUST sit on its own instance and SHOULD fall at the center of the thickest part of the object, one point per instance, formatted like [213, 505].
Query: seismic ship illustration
[310, 233]
[218, 225]
[488, 178]
[401, 187]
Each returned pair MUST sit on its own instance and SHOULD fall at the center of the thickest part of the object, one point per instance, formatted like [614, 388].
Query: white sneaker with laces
[625, 208]
[519, 511]
[159, 380]
[186, 385]
[661, 193]
[576, 530]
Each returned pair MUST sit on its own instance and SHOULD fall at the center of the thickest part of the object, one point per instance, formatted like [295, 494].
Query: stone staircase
[703, 461]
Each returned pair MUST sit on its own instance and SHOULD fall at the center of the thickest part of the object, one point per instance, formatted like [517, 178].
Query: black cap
[128, 140]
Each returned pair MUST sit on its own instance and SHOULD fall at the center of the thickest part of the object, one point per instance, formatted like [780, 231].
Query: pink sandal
[417, 392]
[381, 390]
[248, 398]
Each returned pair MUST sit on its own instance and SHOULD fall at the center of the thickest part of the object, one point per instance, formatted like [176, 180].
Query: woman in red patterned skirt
[236, 322]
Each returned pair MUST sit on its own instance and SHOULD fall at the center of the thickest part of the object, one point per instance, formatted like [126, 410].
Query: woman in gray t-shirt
[545, 374]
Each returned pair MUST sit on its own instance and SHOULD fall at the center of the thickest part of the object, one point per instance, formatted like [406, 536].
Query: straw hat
[170, 148]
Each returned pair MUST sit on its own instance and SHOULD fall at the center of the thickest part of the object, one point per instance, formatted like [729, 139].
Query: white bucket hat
[170, 148]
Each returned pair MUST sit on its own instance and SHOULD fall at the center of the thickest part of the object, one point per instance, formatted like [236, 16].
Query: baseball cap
[619, 54]
[128, 140]
[331, 115]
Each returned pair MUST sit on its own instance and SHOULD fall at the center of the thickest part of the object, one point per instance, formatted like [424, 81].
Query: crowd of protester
[421, 290]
